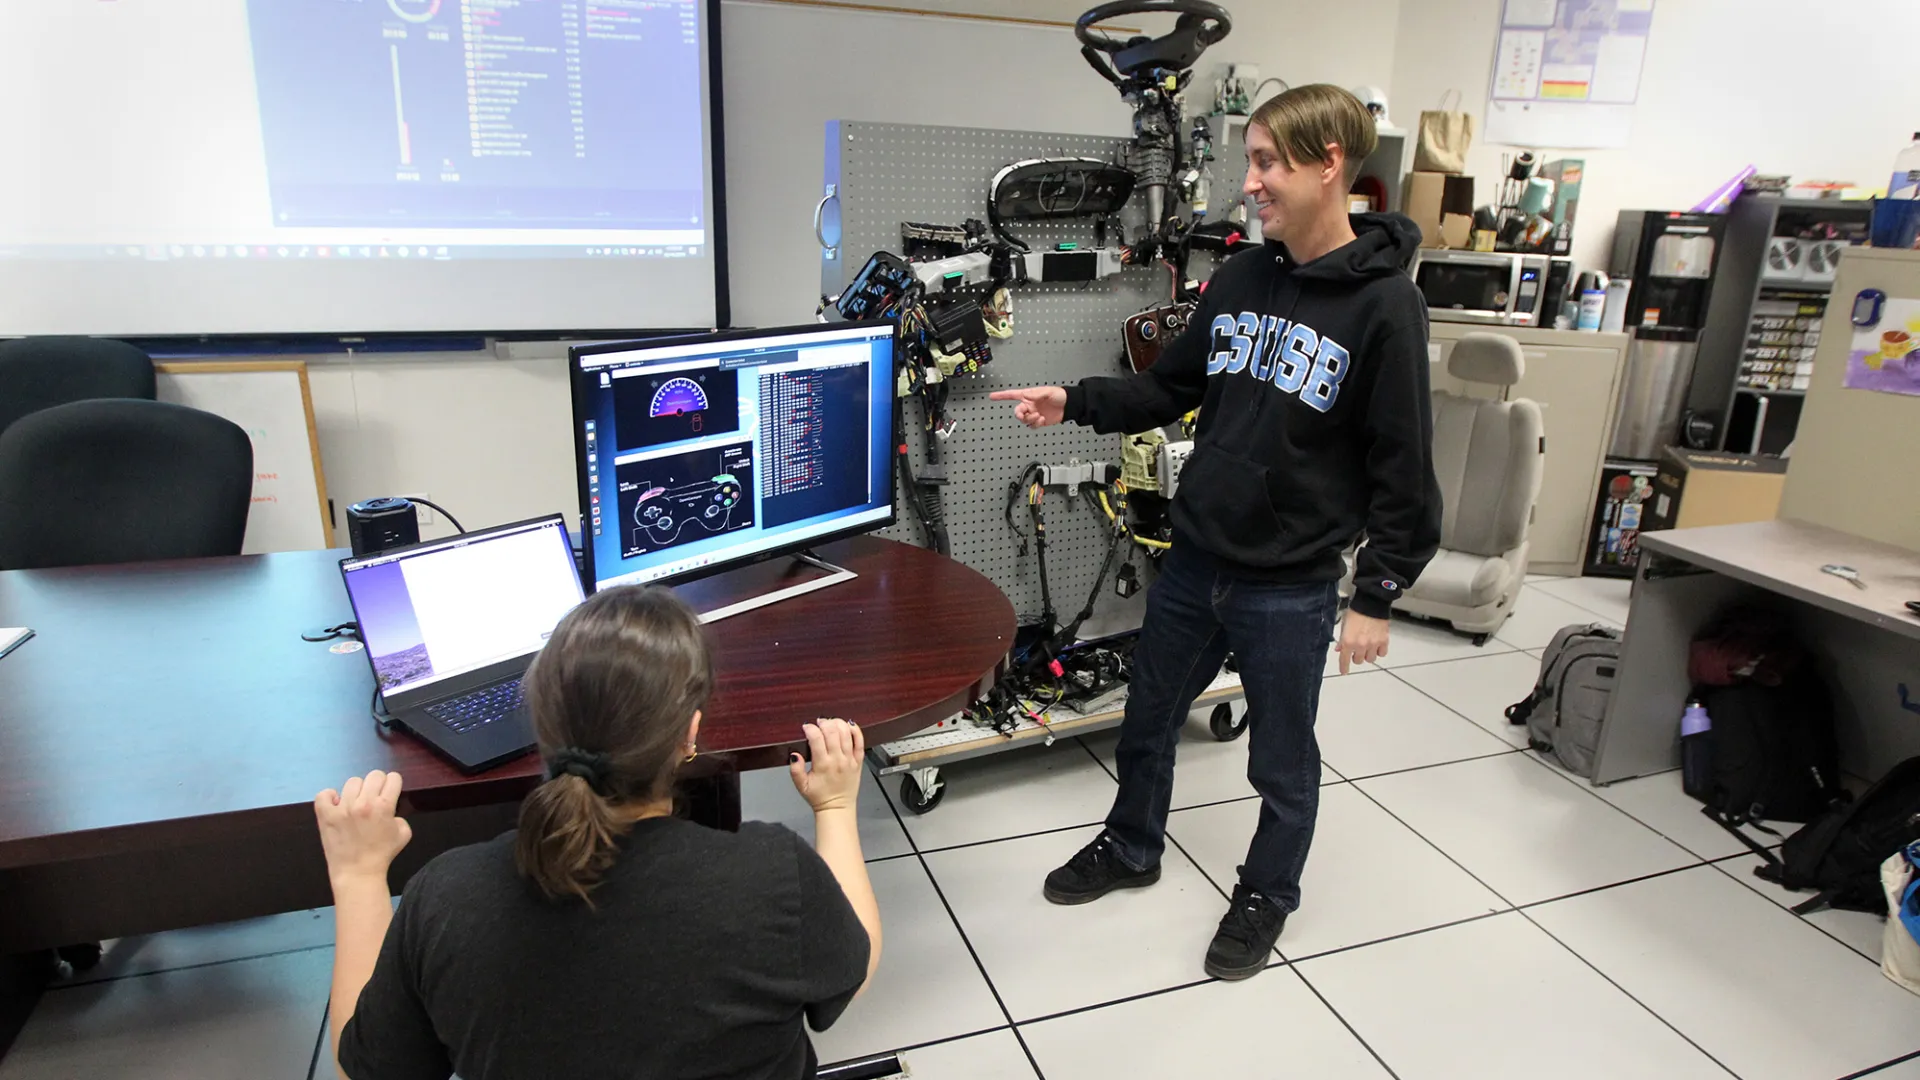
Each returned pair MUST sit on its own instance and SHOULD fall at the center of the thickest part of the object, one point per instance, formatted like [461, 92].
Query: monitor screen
[357, 166]
[700, 453]
[448, 607]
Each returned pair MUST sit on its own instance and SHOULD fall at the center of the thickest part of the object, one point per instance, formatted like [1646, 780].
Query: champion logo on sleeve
[1390, 586]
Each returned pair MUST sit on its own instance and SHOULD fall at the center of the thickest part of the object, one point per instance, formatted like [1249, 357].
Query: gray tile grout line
[1284, 962]
[1196, 806]
[1607, 615]
[319, 1040]
[1901, 1060]
[1530, 920]
[941, 1041]
[1627, 993]
[1298, 960]
[1703, 861]
[1032, 1062]
[1803, 919]
[1423, 692]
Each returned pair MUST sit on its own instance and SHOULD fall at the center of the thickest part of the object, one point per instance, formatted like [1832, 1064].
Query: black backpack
[1773, 753]
[1840, 853]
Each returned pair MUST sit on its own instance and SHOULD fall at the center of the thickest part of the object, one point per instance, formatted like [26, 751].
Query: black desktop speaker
[382, 524]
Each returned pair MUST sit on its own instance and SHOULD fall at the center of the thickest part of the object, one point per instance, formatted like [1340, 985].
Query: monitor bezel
[582, 388]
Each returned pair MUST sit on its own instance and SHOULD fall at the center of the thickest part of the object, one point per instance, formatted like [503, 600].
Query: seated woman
[604, 938]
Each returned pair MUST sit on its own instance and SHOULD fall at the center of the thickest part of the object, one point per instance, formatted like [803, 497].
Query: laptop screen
[438, 610]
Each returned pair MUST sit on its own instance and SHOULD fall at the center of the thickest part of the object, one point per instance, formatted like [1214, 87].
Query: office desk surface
[1786, 557]
[168, 704]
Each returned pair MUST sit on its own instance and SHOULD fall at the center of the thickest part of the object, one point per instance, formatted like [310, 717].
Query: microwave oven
[1488, 286]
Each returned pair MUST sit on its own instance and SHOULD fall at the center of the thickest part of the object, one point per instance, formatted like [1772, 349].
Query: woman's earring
[692, 752]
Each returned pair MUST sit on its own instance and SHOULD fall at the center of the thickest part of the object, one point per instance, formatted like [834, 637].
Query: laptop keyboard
[469, 711]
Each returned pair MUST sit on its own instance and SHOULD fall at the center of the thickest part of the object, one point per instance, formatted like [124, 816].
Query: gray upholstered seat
[1488, 455]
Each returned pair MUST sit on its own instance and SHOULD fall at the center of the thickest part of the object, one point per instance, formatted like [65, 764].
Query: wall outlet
[422, 512]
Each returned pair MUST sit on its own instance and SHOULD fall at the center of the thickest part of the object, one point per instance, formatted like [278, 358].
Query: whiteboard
[270, 401]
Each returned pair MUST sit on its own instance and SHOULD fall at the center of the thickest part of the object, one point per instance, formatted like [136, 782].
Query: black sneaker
[1093, 872]
[1244, 943]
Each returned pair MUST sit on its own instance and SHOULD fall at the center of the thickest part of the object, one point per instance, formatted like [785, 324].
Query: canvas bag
[1899, 950]
[1444, 138]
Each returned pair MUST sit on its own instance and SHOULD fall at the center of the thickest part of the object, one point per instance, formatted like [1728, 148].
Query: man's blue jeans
[1278, 634]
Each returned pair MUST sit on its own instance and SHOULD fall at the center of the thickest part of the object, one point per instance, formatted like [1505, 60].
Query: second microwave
[1484, 286]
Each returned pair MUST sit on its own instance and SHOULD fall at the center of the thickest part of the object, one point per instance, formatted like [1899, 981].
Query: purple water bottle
[1696, 751]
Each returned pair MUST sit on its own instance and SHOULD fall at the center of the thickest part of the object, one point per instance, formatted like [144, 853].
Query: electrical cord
[451, 520]
[382, 719]
[1144, 541]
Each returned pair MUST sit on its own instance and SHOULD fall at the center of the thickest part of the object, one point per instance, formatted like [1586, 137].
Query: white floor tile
[993, 1056]
[1270, 1025]
[1045, 958]
[1411, 641]
[148, 953]
[768, 795]
[1374, 723]
[927, 986]
[1011, 794]
[1480, 689]
[244, 1020]
[1658, 802]
[1764, 993]
[1527, 833]
[1422, 1003]
[1205, 769]
[1537, 616]
[1858, 929]
[1368, 877]
[1607, 598]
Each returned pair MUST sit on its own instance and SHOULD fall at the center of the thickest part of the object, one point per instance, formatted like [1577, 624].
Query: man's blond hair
[1303, 120]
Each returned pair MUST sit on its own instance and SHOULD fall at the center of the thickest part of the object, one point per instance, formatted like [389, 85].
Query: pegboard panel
[879, 175]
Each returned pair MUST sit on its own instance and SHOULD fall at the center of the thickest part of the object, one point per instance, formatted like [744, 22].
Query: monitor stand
[834, 575]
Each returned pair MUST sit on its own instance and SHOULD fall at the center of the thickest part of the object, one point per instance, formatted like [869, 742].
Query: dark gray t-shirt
[703, 952]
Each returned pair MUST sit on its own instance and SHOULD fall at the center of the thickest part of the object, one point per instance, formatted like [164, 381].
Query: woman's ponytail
[612, 695]
[568, 836]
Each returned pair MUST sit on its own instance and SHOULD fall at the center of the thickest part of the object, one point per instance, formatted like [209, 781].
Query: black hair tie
[589, 765]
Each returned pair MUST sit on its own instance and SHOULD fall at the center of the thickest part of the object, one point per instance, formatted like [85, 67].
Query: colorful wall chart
[1566, 73]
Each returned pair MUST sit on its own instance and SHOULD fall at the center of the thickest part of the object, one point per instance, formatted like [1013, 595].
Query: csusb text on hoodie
[1315, 418]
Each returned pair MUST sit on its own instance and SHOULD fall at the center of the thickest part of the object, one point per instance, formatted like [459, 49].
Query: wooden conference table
[163, 735]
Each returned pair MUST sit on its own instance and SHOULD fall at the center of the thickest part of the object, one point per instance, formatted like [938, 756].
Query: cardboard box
[1565, 174]
[1432, 200]
[1695, 488]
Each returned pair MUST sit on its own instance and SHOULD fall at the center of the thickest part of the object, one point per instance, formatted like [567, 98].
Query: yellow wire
[1154, 545]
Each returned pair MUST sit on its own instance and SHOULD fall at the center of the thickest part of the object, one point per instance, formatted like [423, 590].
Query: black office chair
[41, 372]
[122, 481]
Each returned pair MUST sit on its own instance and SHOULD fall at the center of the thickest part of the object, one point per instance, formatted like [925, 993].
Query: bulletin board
[272, 403]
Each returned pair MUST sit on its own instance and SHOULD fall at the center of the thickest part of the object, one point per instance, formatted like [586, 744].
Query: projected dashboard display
[165, 152]
[696, 455]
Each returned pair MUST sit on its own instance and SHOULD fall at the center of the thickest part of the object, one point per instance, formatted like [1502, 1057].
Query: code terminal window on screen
[698, 454]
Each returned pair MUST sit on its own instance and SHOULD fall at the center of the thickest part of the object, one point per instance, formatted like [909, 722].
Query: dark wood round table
[163, 735]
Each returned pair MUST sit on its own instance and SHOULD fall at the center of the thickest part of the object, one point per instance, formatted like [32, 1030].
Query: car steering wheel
[1201, 24]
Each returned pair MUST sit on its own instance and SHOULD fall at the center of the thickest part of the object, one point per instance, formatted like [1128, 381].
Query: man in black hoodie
[1308, 362]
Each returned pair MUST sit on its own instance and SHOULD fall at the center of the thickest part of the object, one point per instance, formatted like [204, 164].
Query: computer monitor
[697, 454]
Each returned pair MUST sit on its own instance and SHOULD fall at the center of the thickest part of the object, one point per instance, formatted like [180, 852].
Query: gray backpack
[1564, 713]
